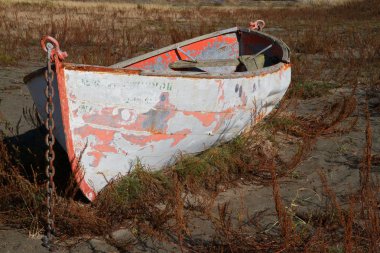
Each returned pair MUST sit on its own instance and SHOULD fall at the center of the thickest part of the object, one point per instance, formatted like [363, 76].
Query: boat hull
[108, 120]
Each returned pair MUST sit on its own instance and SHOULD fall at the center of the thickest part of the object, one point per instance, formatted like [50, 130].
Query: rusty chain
[49, 154]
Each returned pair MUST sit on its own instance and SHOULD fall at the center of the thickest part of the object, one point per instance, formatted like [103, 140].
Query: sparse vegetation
[312, 89]
[334, 49]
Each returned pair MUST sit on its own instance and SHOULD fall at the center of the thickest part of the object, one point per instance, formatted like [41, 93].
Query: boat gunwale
[174, 46]
[184, 74]
[140, 58]
[188, 74]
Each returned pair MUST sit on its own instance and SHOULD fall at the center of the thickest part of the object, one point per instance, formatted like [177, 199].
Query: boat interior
[227, 53]
[224, 52]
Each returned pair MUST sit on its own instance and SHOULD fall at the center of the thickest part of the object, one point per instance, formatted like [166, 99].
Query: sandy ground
[14, 97]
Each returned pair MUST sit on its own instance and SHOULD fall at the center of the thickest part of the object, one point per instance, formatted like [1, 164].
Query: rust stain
[75, 165]
[207, 118]
[100, 151]
[154, 121]
[194, 50]
[144, 140]
[75, 113]
[103, 140]
[219, 83]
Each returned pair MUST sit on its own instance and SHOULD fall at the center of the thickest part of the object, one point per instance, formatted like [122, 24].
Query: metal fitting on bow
[55, 51]
[257, 25]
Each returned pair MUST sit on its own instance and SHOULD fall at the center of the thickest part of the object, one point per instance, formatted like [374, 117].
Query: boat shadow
[28, 152]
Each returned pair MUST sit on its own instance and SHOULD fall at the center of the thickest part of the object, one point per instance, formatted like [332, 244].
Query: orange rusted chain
[49, 140]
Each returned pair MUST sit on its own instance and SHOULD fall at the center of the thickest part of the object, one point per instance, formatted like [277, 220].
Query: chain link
[49, 154]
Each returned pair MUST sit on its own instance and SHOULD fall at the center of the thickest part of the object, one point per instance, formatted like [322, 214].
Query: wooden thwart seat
[250, 62]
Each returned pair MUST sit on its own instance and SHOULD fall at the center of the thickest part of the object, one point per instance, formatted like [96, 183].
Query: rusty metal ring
[47, 173]
[257, 25]
[55, 50]
[48, 158]
[260, 24]
[49, 142]
[47, 77]
[49, 108]
[46, 39]
[51, 89]
[49, 124]
[52, 76]
[49, 185]
[52, 186]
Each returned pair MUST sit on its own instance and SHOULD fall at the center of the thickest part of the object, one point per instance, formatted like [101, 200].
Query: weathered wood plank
[249, 61]
[204, 63]
[172, 47]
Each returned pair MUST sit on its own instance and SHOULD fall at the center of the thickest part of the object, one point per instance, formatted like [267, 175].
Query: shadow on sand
[28, 150]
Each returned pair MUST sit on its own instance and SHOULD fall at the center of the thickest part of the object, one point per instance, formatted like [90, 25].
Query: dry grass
[160, 204]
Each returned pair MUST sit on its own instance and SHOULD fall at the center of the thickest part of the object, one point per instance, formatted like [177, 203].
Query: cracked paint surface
[117, 119]
[222, 47]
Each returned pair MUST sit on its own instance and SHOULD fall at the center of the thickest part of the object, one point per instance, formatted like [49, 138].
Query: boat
[181, 99]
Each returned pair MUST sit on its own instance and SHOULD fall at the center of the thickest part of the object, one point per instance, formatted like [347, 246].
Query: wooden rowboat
[183, 98]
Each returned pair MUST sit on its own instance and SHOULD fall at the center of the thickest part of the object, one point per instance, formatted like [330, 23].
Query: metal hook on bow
[46, 43]
[257, 25]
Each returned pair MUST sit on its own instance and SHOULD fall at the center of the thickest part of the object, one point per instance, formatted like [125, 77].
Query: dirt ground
[338, 156]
